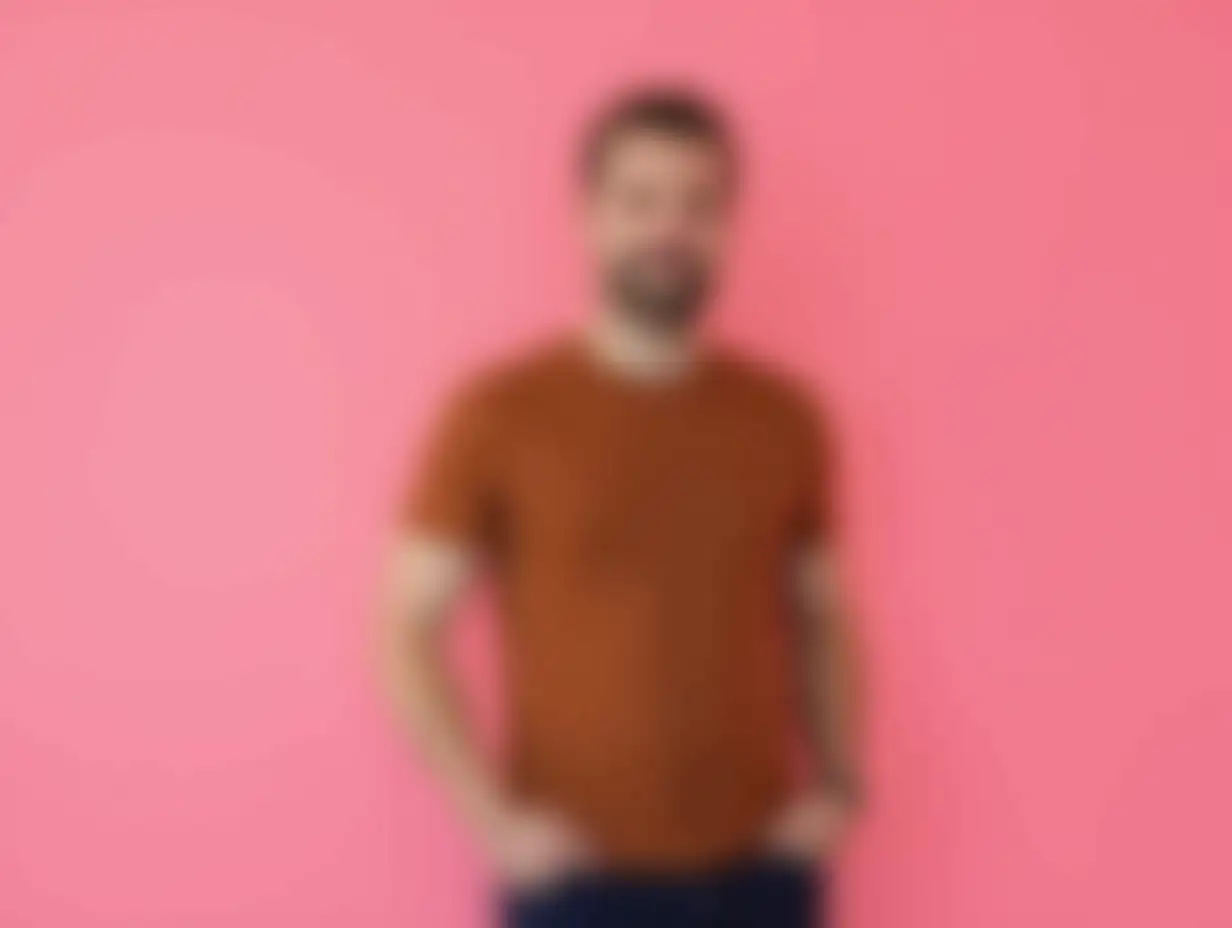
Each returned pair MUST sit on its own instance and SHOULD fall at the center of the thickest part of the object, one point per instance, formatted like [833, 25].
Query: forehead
[649, 155]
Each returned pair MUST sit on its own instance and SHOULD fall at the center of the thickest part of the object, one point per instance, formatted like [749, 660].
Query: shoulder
[768, 388]
[789, 413]
[502, 389]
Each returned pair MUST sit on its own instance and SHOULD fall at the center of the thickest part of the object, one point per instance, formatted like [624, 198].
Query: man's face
[657, 217]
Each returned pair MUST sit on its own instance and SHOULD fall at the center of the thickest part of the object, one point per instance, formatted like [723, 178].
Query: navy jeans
[756, 894]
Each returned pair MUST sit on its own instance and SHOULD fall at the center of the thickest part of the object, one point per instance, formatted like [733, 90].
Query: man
[654, 515]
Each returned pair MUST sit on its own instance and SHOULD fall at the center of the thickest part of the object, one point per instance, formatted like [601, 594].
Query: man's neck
[640, 354]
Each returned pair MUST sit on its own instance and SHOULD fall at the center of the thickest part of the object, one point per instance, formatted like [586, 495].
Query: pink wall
[245, 245]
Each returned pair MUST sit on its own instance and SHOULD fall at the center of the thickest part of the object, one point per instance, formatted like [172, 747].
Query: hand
[809, 827]
[533, 848]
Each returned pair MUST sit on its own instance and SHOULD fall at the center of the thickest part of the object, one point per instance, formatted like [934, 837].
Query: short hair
[675, 112]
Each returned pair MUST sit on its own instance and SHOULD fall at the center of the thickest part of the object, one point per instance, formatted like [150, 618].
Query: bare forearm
[836, 698]
[424, 586]
[830, 691]
[834, 689]
[528, 846]
[429, 704]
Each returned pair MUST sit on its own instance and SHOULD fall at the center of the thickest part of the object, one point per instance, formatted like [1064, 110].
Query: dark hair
[676, 112]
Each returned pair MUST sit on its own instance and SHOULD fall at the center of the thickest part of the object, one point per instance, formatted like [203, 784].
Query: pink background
[245, 245]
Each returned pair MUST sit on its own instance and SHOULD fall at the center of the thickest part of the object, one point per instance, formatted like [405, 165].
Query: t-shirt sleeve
[453, 494]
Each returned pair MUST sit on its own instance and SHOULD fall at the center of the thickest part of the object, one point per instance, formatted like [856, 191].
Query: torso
[645, 532]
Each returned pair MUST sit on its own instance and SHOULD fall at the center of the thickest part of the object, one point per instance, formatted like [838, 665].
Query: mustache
[662, 290]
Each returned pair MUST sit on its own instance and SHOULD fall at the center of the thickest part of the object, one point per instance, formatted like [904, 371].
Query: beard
[664, 293]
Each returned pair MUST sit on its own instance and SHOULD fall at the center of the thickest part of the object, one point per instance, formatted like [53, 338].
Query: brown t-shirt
[640, 537]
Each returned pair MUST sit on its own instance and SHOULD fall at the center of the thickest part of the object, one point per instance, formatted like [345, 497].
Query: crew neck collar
[605, 355]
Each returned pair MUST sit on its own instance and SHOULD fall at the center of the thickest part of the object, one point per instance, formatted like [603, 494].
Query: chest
[647, 489]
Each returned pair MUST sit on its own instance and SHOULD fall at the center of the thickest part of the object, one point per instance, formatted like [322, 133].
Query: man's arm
[426, 580]
[831, 676]
[830, 684]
